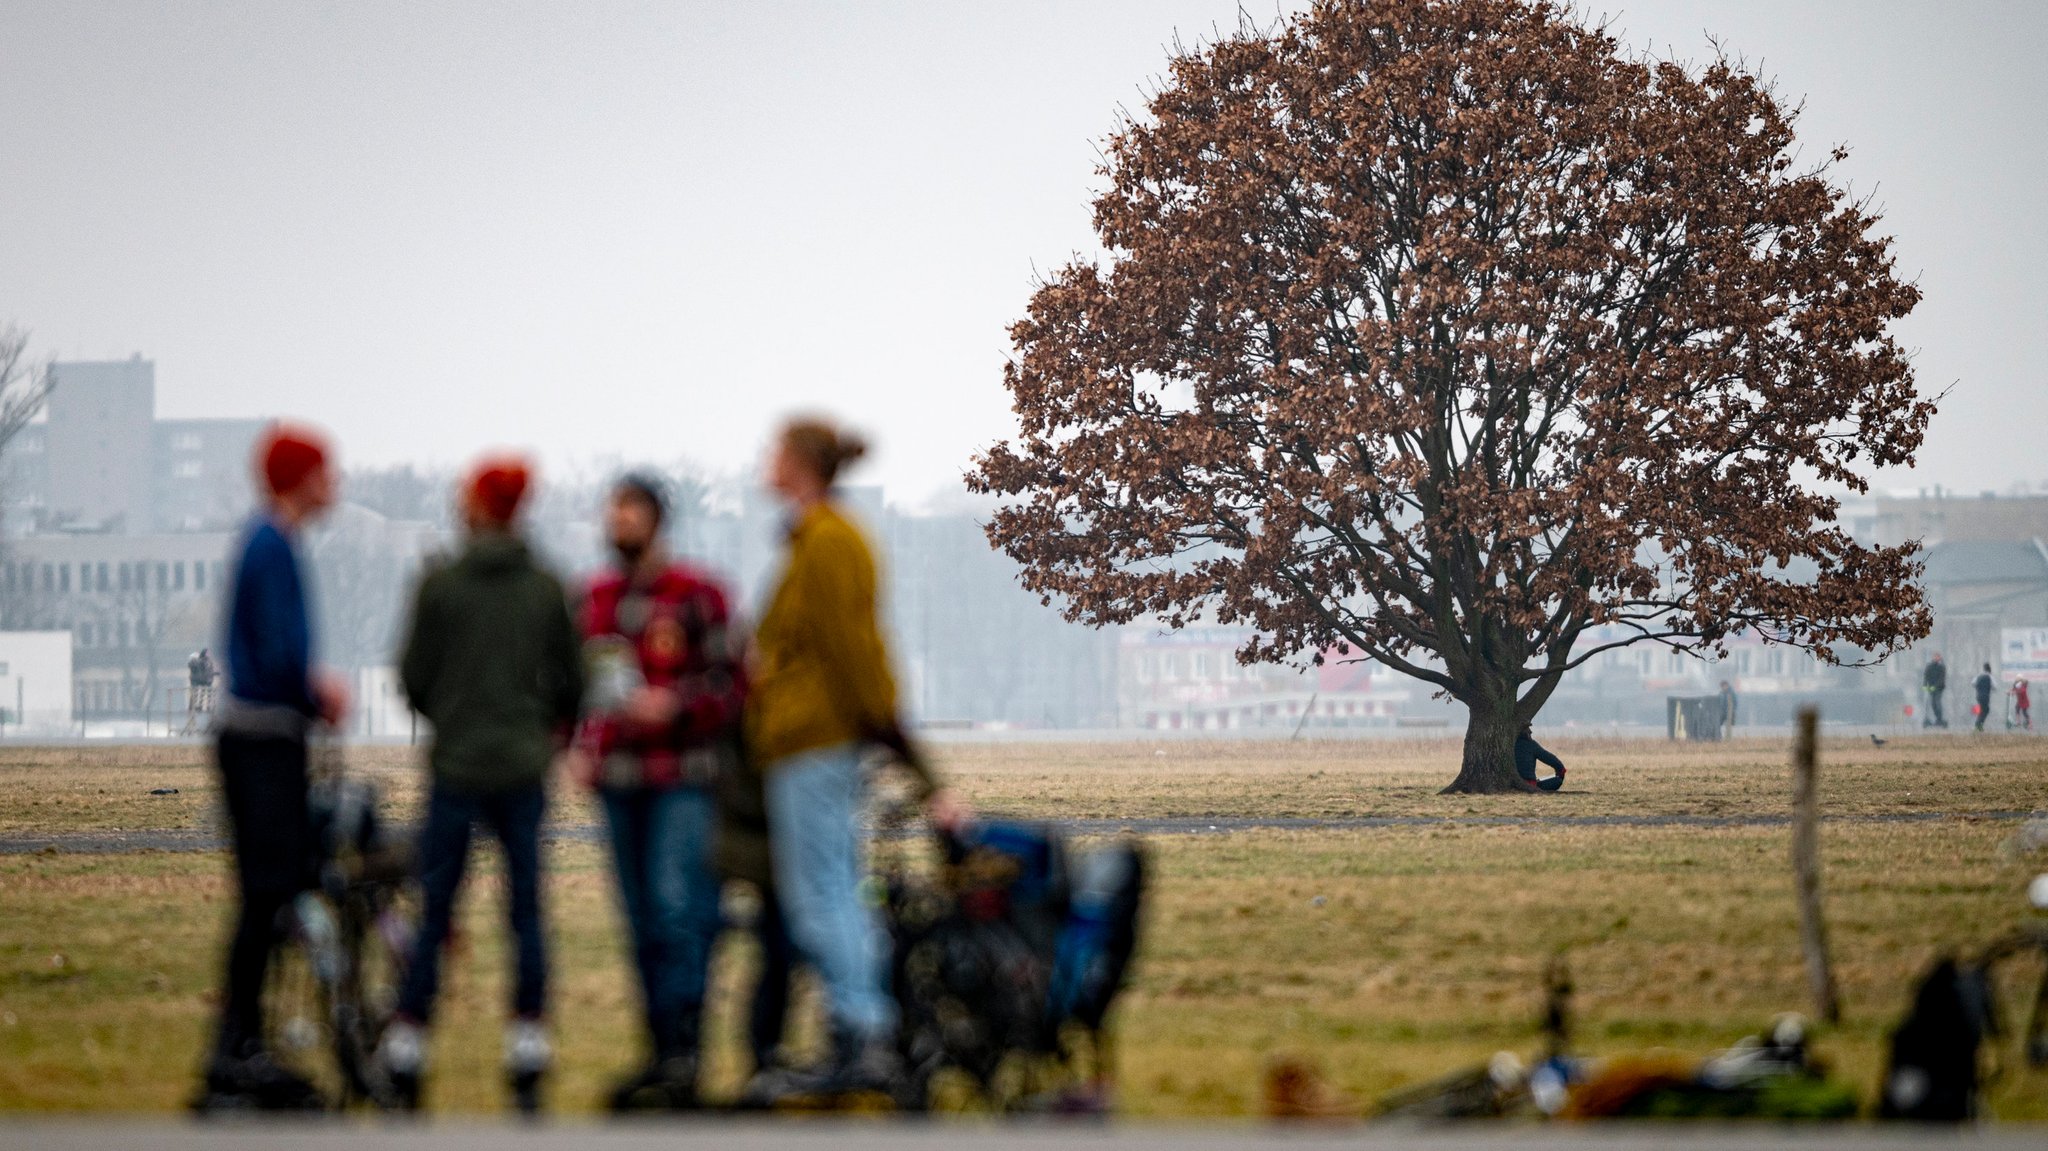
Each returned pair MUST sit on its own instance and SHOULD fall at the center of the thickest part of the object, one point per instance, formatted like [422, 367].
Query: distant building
[1945, 517]
[1978, 589]
[101, 463]
[1190, 680]
[35, 683]
[100, 435]
[200, 473]
[134, 606]
[117, 528]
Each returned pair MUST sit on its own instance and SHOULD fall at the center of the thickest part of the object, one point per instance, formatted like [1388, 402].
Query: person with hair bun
[822, 694]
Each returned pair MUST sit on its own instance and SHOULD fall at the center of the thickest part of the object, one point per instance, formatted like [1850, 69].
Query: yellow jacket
[821, 676]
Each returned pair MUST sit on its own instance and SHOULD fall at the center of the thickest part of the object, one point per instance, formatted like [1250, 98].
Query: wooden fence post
[1813, 930]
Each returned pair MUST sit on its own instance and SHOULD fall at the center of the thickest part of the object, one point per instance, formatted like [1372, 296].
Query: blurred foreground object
[1813, 927]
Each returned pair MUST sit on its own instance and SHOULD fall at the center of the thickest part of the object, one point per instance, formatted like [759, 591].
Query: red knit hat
[287, 454]
[497, 486]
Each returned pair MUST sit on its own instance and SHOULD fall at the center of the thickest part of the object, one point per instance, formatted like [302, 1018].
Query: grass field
[1381, 956]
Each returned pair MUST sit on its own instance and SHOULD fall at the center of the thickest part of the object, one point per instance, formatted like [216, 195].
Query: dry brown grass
[45, 790]
[1382, 956]
[1631, 777]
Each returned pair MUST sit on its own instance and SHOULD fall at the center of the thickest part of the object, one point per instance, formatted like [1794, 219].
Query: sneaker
[528, 1055]
[859, 1065]
[402, 1055]
[665, 1084]
[256, 1081]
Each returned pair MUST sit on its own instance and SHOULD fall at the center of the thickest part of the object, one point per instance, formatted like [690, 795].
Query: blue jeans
[661, 850]
[816, 840]
[514, 817]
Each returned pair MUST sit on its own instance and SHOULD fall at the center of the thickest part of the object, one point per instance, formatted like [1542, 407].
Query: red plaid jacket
[685, 638]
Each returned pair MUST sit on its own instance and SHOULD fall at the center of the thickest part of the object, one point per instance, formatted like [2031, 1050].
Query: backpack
[1932, 1073]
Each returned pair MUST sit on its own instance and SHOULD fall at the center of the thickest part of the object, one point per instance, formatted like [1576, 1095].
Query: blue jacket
[269, 637]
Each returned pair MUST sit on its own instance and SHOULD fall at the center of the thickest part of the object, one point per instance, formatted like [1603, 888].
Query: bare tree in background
[24, 384]
[361, 569]
[404, 492]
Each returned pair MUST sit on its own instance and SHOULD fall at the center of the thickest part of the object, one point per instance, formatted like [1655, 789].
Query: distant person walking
[1985, 685]
[1934, 681]
[1529, 753]
[491, 661]
[1727, 710]
[660, 730]
[822, 694]
[2022, 704]
[274, 695]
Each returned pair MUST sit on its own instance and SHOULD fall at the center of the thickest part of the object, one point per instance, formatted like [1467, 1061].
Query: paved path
[192, 840]
[886, 1136]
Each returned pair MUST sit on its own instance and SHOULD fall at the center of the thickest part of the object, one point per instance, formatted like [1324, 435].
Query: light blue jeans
[818, 847]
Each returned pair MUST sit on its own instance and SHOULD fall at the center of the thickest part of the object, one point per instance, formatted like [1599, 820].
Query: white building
[35, 682]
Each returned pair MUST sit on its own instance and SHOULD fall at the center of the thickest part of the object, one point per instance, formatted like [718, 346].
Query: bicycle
[1006, 963]
[334, 977]
[1937, 1070]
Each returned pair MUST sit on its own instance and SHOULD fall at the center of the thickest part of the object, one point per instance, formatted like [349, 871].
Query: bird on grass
[1876, 741]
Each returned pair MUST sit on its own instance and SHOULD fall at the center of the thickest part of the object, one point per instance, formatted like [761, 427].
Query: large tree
[1445, 333]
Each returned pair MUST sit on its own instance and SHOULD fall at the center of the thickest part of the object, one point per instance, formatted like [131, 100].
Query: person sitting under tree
[1529, 753]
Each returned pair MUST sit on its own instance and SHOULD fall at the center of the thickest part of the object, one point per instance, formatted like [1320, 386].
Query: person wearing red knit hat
[273, 696]
[491, 659]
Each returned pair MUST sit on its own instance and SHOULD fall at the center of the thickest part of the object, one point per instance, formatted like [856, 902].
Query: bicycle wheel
[298, 1009]
[375, 932]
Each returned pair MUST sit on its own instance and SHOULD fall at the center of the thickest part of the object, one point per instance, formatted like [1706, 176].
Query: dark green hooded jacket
[492, 661]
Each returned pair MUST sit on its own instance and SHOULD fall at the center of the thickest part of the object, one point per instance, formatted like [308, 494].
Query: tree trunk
[1489, 764]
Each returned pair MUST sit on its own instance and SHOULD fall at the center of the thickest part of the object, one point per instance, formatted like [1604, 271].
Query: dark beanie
[645, 486]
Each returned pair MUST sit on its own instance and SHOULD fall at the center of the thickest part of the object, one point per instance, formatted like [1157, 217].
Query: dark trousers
[1934, 702]
[661, 853]
[1983, 708]
[514, 818]
[263, 782]
[770, 1009]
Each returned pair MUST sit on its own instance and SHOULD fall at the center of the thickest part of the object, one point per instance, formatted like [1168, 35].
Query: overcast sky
[645, 230]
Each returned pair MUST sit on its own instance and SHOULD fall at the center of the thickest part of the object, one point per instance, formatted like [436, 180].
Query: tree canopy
[1504, 347]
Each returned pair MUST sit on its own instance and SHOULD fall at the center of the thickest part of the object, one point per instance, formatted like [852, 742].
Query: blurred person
[660, 730]
[743, 855]
[1727, 710]
[822, 694]
[1529, 753]
[1934, 681]
[490, 659]
[2022, 704]
[274, 696]
[1984, 686]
